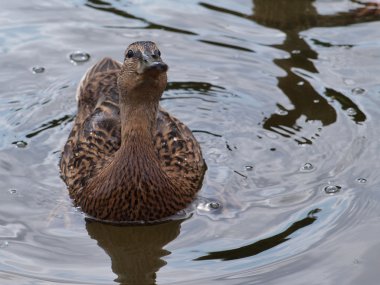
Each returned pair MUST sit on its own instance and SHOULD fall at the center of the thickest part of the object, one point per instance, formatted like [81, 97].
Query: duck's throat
[138, 119]
[138, 127]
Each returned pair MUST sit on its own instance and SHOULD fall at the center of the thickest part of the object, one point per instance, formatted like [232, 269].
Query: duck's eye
[157, 52]
[129, 53]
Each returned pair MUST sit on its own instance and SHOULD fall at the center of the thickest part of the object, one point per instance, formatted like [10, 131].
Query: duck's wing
[178, 150]
[96, 132]
[92, 85]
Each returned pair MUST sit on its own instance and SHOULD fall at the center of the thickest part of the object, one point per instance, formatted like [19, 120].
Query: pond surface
[283, 97]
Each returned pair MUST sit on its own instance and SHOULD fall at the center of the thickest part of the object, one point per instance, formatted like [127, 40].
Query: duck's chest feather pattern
[127, 173]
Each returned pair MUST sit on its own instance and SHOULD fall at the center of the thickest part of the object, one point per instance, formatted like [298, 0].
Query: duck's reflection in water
[136, 251]
[308, 104]
[292, 17]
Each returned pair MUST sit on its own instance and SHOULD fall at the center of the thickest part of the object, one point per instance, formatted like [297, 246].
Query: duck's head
[143, 71]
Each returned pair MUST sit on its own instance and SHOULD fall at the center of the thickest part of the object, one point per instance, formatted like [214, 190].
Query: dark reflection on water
[227, 45]
[201, 87]
[108, 7]
[52, 124]
[264, 244]
[292, 17]
[135, 251]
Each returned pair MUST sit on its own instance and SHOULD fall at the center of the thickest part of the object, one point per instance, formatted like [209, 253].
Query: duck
[126, 158]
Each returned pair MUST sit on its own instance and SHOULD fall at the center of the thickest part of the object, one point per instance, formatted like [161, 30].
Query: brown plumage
[126, 159]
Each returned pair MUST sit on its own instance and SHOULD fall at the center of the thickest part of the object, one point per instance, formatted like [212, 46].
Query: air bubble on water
[358, 91]
[12, 191]
[351, 111]
[332, 189]
[361, 180]
[38, 69]
[208, 206]
[4, 244]
[79, 57]
[307, 167]
[20, 144]
[248, 167]
[213, 205]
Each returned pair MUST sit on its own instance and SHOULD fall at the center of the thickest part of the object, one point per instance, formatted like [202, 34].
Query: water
[264, 83]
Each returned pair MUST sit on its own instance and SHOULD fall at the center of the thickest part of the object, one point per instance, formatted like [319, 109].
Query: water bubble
[12, 191]
[208, 206]
[307, 167]
[248, 167]
[358, 91]
[351, 111]
[361, 180]
[213, 205]
[4, 244]
[332, 189]
[38, 69]
[79, 57]
[20, 144]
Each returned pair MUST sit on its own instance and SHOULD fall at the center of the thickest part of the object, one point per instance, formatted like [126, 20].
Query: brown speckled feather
[155, 186]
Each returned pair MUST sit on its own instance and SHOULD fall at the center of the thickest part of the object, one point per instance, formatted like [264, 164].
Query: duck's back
[95, 136]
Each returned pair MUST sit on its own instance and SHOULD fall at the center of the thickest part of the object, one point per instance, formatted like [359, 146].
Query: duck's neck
[138, 117]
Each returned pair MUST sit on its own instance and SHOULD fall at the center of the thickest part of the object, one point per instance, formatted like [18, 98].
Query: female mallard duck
[127, 159]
